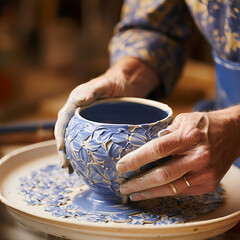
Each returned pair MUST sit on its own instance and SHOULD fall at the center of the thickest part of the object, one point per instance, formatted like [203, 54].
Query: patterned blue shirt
[158, 32]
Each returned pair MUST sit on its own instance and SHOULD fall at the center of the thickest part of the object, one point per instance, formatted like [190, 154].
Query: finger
[89, 92]
[170, 171]
[152, 151]
[167, 190]
[82, 95]
[86, 96]
[64, 116]
[63, 160]
[189, 184]
[170, 189]
[157, 177]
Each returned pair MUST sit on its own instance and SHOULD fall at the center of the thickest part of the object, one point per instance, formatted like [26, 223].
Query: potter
[99, 135]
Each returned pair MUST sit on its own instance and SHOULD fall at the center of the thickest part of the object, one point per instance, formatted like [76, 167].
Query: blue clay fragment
[50, 187]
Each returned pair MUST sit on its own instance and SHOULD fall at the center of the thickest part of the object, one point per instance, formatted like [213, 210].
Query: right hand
[127, 77]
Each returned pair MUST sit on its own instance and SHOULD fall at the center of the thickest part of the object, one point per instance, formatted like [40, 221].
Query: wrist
[233, 121]
[234, 124]
[228, 122]
[140, 79]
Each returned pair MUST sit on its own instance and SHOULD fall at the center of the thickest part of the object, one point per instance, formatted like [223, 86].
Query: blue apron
[227, 88]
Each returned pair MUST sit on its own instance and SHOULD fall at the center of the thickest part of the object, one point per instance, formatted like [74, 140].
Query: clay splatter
[61, 194]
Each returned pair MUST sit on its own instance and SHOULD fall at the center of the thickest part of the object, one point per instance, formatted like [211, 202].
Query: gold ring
[173, 188]
[187, 182]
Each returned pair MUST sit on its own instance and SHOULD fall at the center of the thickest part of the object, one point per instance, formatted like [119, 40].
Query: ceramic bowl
[98, 135]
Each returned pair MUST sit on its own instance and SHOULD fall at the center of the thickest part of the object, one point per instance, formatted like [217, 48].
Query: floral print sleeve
[219, 21]
[154, 31]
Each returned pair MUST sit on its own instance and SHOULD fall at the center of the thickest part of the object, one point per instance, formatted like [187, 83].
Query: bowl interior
[123, 113]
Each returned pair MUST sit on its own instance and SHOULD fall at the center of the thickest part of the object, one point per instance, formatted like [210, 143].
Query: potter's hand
[203, 146]
[127, 77]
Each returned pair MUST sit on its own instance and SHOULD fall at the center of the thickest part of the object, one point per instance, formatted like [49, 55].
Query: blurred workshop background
[47, 47]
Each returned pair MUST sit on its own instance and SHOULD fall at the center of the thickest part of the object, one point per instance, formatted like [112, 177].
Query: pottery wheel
[16, 166]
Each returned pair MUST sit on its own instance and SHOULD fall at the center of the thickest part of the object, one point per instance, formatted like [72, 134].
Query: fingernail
[121, 167]
[125, 188]
[163, 132]
[139, 196]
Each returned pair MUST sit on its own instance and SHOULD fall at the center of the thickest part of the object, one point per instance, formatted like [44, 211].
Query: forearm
[139, 79]
[157, 33]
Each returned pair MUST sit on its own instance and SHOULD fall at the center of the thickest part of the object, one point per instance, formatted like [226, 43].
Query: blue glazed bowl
[98, 135]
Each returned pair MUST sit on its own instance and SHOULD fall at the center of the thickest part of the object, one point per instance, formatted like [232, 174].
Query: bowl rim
[139, 100]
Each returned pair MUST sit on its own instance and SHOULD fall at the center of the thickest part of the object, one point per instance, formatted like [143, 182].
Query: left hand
[127, 77]
[203, 146]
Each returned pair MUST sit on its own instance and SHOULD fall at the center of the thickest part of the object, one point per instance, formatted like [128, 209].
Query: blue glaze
[123, 113]
[227, 82]
[51, 186]
[97, 203]
[101, 134]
